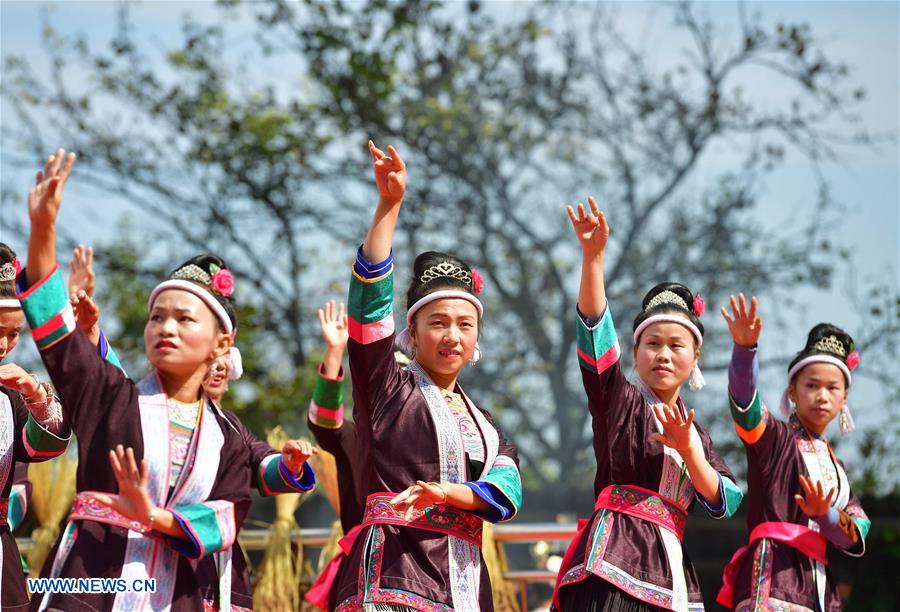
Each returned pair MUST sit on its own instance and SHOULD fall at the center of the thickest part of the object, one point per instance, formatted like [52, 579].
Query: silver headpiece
[830, 344]
[446, 269]
[192, 272]
[667, 297]
[7, 272]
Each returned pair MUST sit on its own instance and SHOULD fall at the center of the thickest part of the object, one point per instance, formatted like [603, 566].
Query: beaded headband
[830, 344]
[445, 269]
[667, 297]
[7, 272]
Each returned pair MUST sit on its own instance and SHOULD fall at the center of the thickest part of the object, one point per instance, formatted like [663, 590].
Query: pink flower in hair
[852, 360]
[222, 282]
[17, 265]
[699, 305]
[477, 281]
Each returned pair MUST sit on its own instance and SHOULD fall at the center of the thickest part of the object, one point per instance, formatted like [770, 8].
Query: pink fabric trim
[367, 333]
[316, 411]
[801, 538]
[644, 504]
[56, 322]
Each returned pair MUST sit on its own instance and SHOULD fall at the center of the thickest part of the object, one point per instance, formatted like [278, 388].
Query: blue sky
[866, 181]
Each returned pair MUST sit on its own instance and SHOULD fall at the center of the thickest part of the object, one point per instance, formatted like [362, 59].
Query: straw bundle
[53, 489]
[278, 580]
[497, 565]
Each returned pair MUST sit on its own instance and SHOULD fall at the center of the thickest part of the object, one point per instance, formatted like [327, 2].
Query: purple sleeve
[743, 374]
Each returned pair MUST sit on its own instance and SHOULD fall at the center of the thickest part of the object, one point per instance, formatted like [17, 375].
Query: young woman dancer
[653, 460]
[800, 502]
[273, 472]
[418, 434]
[177, 490]
[31, 429]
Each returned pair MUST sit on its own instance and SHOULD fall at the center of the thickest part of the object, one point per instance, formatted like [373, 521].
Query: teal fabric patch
[370, 302]
[749, 418]
[507, 480]
[42, 442]
[733, 496]
[45, 300]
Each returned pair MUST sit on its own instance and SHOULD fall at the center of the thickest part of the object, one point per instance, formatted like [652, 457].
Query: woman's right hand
[390, 174]
[45, 198]
[590, 228]
[334, 325]
[745, 327]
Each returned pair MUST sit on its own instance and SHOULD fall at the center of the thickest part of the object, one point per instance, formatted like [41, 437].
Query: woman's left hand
[419, 496]
[294, 453]
[133, 501]
[676, 432]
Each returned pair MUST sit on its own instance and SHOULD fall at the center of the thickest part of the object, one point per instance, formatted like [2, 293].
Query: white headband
[440, 295]
[664, 318]
[10, 303]
[201, 293]
[820, 359]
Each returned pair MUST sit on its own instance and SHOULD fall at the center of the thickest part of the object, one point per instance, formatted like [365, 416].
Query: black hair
[673, 306]
[826, 331]
[454, 279]
[209, 264]
[7, 288]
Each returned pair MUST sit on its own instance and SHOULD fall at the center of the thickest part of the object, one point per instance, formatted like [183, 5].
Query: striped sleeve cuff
[41, 443]
[367, 269]
[597, 344]
[327, 406]
[210, 527]
[274, 477]
[47, 309]
[731, 497]
[370, 307]
[749, 422]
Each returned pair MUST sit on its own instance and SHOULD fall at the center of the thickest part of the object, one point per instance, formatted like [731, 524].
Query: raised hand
[590, 227]
[294, 453]
[133, 501]
[419, 496]
[744, 326]
[45, 198]
[390, 174]
[87, 314]
[333, 323]
[676, 432]
[815, 503]
[16, 378]
[81, 271]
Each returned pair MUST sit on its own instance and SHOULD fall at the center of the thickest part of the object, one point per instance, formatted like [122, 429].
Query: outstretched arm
[746, 407]
[593, 234]
[390, 177]
[43, 207]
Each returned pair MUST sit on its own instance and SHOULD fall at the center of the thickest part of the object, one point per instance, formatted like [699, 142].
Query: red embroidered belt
[4, 511]
[644, 504]
[800, 537]
[634, 501]
[379, 511]
[87, 508]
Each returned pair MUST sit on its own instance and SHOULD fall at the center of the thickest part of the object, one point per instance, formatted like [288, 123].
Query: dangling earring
[846, 421]
[476, 355]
